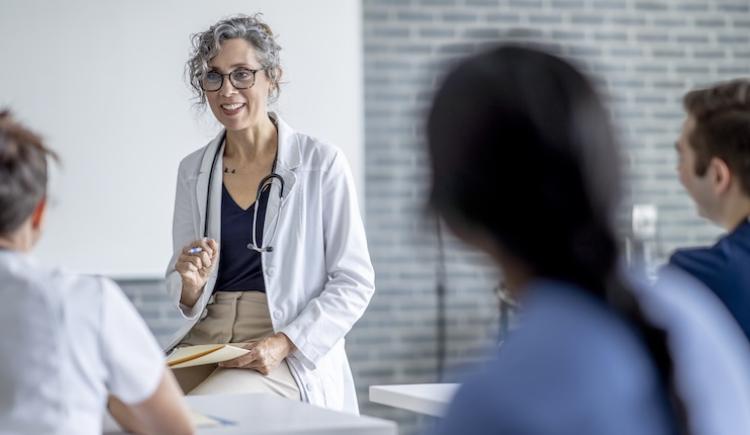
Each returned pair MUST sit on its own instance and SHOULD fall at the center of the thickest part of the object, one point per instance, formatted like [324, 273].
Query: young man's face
[700, 188]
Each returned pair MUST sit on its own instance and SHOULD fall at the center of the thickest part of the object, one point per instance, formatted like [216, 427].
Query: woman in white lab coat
[293, 290]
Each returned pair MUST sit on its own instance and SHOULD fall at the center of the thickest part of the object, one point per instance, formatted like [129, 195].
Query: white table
[429, 399]
[262, 414]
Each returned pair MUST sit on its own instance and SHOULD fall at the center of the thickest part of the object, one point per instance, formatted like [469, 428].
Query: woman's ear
[40, 212]
[275, 81]
[279, 75]
[37, 221]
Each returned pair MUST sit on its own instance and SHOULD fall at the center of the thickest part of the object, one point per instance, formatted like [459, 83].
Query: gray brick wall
[150, 297]
[644, 54]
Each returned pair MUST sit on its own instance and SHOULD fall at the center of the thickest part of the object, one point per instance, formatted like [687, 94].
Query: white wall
[103, 82]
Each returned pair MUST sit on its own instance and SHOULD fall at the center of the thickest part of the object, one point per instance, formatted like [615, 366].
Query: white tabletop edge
[428, 399]
[260, 414]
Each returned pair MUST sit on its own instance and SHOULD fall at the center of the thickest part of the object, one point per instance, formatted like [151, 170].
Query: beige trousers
[234, 317]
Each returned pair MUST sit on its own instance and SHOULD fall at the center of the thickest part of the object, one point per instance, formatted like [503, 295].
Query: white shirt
[67, 342]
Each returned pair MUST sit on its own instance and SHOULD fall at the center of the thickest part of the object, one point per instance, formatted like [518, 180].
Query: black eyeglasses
[241, 78]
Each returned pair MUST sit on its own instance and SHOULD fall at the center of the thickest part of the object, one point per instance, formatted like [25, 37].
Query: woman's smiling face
[238, 109]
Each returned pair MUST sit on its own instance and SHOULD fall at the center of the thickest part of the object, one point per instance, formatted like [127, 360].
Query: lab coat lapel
[201, 188]
[276, 205]
[289, 157]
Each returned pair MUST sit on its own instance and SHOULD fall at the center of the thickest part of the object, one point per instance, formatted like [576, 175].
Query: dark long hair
[522, 149]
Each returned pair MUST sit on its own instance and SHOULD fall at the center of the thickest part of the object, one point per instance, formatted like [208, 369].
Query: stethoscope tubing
[266, 182]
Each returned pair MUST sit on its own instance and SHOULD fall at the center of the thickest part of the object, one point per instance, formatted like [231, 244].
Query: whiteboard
[103, 82]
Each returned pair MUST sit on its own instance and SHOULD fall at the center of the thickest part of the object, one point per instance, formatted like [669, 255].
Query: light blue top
[572, 367]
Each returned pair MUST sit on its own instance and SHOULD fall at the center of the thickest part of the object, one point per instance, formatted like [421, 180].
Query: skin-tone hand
[164, 413]
[264, 356]
[194, 269]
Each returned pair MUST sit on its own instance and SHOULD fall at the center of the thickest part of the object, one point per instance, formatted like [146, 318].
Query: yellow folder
[190, 356]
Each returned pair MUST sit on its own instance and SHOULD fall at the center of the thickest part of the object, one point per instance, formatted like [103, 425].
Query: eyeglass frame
[229, 74]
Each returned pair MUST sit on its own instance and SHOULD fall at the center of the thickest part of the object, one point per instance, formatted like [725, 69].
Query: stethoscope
[265, 184]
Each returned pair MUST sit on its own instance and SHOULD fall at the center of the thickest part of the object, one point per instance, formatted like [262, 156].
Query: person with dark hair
[68, 341]
[714, 167]
[525, 167]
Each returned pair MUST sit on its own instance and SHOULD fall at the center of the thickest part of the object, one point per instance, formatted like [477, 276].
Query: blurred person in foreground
[525, 167]
[68, 341]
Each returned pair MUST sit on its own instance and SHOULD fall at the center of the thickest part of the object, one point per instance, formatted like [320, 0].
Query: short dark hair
[23, 172]
[722, 127]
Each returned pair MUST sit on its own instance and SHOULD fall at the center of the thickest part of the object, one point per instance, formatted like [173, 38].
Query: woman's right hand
[195, 268]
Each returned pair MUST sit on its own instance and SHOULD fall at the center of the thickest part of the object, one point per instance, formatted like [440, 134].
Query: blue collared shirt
[725, 269]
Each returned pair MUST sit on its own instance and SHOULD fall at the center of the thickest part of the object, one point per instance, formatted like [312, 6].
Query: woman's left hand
[264, 356]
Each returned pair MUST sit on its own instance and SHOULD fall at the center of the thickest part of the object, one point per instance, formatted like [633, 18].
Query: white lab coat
[319, 277]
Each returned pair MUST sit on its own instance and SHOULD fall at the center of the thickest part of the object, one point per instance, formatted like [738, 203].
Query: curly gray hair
[206, 46]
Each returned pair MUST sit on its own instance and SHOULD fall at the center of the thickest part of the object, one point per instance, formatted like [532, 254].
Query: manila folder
[190, 356]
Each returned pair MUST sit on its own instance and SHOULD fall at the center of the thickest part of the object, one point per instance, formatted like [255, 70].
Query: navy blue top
[725, 269]
[572, 367]
[240, 268]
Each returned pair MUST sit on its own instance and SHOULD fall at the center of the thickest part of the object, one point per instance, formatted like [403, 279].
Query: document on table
[200, 420]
